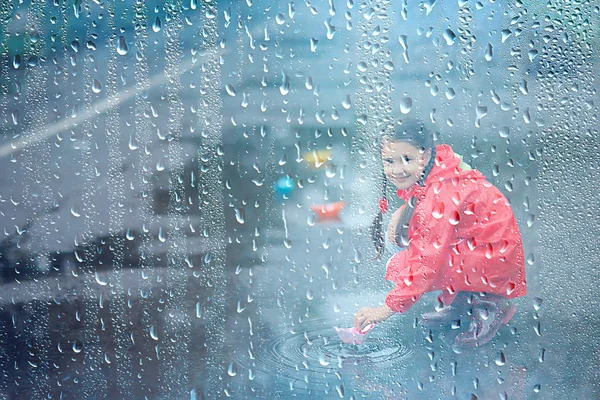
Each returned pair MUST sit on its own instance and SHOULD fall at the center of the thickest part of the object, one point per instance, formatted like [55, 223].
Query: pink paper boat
[353, 335]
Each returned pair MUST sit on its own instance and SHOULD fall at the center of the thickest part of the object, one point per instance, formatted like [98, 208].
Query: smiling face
[403, 163]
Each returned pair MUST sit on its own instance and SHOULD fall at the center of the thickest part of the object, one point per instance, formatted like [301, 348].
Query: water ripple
[312, 353]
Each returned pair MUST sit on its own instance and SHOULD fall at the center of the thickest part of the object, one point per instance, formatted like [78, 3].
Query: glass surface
[187, 191]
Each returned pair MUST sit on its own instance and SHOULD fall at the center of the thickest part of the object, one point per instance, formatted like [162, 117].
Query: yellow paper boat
[317, 158]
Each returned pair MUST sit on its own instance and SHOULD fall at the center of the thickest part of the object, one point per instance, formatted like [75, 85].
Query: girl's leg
[488, 313]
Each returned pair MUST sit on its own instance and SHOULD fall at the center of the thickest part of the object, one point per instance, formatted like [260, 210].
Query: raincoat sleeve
[415, 269]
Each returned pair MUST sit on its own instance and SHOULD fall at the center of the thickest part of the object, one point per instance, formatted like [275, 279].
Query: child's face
[403, 163]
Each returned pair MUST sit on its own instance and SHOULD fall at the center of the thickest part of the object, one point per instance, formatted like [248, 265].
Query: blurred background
[187, 189]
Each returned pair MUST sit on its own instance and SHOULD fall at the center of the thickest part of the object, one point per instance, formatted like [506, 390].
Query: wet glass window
[204, 199]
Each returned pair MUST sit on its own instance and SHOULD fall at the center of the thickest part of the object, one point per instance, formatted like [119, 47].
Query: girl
[456, 233]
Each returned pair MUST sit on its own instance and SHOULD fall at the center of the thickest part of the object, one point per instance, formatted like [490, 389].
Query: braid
[376, 229]
[411, 204]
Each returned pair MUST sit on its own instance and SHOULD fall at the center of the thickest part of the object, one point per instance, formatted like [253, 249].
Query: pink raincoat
[463, 236]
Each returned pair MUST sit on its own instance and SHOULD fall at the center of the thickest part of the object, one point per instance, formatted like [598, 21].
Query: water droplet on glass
[285, 84]
[156, 25]
[449, 37]
[537, 303]
[96, 86]
[161, 235]
[330, 29]
[230, 90]
[122, 48]
[330, 170]
[438, 210]
[480, 112]
[77, 346]
[489, 53]
[15, 116]
[406, 105]
[532, 54]
[310, 294]
[347, 102]
[16, 61]
[232, 369]
[100, 279]
[500, 358]
[239, 215]
[280, 19]
[153, 333]
[313, 45]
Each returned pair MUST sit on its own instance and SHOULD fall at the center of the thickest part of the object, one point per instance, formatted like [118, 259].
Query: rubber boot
[489, 313]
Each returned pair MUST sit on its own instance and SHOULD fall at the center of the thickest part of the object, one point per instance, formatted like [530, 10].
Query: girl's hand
[368, 315]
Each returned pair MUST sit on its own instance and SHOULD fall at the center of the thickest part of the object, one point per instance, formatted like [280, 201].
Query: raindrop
[388, 65]
[449, 37]
[122, 48]
[537, 303]
[100, 280]
[500, 358]
[210, 14]
[15, 117]
[330, 29]
[285, 84]
[330, 170]
[96, 86]
[480, 112]
[239, 215]
[523, 87]
[429, 4]
[454, 218]
[77, 346]
[230, 90]
[324, 359]
[161, 235]
[450, 93]
[489, 53]
[347, 103]
[406, 105]
[16, 61]
[362, 66]
[156, 25]
[310, 294]
[232, 369]
[313, 45]
[280, 19]
[129, 235]
[438, 210]
[75, 213]
[153, 333]
[532, 54]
